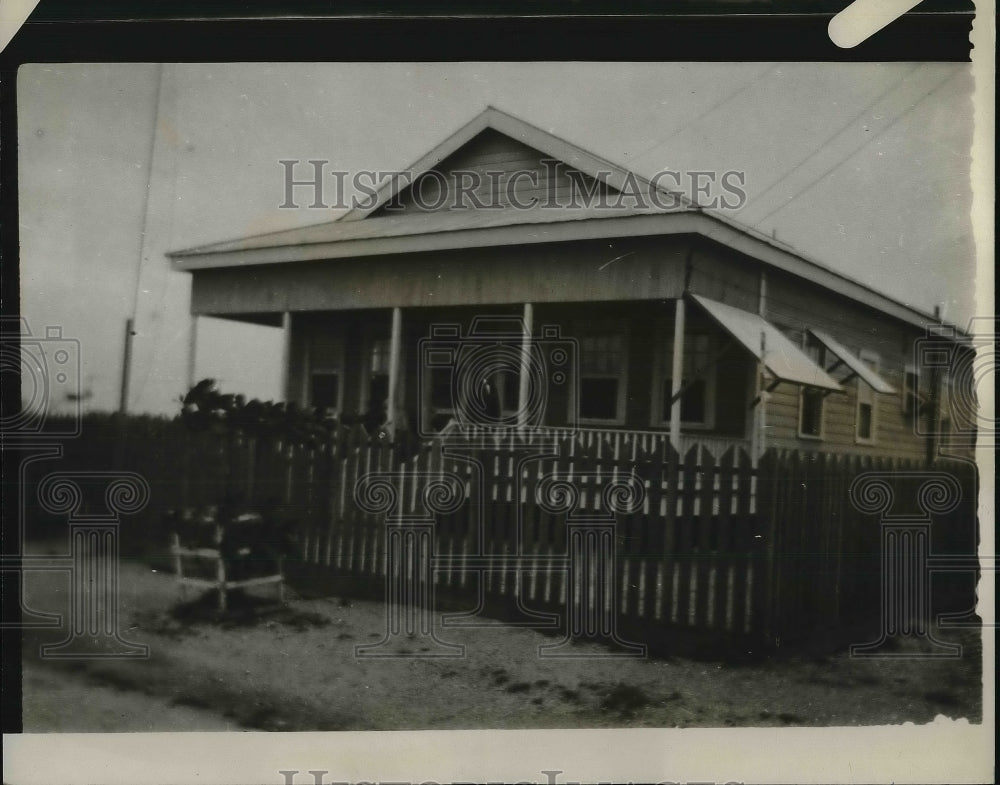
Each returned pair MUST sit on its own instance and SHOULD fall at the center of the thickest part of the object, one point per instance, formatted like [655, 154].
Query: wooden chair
[220, 583]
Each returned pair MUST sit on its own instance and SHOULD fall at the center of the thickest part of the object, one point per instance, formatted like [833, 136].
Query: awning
[782, 359]
[857, 366]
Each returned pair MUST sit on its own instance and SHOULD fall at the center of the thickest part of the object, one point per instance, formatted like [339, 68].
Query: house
[517, 280]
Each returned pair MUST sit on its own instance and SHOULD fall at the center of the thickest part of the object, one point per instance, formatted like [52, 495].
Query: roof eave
[689, 222]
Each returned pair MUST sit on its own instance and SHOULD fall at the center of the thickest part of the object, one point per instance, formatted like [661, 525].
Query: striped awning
[782, 359]
[857, 366]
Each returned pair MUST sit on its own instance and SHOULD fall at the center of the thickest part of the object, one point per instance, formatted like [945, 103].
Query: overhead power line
[827, 172]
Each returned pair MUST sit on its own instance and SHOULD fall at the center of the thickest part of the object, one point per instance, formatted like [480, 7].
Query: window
[911, 390]
[811, 413]
[489, 398]
[378, 371]
[865, 417]
[810, 398]
[326, 363]
[436, 409]
[603, 362]
[324, 390]
[380, 356]
[507, 381]
[440, 389]
[698, 377]
[375, 404]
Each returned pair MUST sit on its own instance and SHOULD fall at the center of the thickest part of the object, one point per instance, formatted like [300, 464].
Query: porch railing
[633, 443]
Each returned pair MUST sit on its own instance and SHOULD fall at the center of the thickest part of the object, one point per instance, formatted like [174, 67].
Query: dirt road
[294, 668]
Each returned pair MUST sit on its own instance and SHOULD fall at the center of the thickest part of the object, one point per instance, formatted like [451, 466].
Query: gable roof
[359, 233]
[531, 135]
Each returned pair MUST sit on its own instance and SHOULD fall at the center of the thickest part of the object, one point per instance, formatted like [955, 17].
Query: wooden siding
[614, 270]
[725, 276]
[795, 306]
[493, 158]
[573, 272]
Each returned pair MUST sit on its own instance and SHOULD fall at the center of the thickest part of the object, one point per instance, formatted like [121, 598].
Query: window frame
[664, 352]
[327, 369]
[617, 328]
[373, 335]
[820, 360]
[509, 394]
[874, 361]
[371, 341]
[430, 412]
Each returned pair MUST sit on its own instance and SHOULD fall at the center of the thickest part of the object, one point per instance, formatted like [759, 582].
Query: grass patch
[625, 699]
[242, 610]
[195, 702]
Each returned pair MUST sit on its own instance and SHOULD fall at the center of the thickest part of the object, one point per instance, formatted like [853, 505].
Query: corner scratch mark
[615, 260]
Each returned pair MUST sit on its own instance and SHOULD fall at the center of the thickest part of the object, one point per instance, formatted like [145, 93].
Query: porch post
[759, 435]
[192, 351]
[677, 368]
[524, 389]
[395, 339]
[286, 356]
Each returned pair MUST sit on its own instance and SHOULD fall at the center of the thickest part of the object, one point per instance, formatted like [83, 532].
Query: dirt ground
[266, 667]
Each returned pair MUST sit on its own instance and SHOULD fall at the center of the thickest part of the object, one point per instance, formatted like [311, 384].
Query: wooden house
[506, 304]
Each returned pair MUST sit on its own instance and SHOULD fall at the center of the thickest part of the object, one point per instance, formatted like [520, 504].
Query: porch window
[437, 407]
[490, 398]
[603, 363]
[324, 391]
[326, 369]
[375, 407]
[507, 380]
[810, 398]
[698, 381]
[865, 418]
[440, 390]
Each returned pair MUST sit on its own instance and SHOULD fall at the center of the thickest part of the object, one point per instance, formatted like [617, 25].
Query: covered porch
[689, 369]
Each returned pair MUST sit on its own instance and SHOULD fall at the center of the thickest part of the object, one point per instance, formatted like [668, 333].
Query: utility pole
[131, 319]
[126, 365]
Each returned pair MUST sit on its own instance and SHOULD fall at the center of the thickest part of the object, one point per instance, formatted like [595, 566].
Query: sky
[862, 167]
